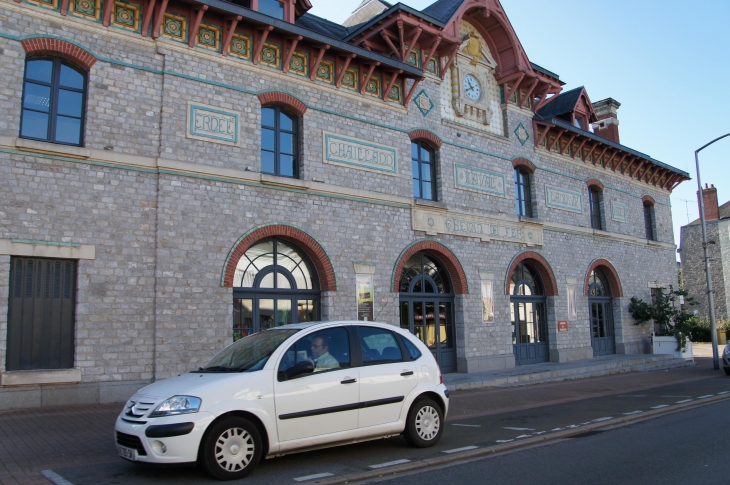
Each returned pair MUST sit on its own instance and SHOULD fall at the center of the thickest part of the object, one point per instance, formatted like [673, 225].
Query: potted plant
[672, 324]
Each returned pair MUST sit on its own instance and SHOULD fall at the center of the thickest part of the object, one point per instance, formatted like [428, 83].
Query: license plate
[128, 453]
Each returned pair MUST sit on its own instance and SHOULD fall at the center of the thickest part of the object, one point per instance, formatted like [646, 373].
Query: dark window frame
[650, 222]
[53, 102]
[594, 202]
[418, 179]
[294, 132]
[523, 192]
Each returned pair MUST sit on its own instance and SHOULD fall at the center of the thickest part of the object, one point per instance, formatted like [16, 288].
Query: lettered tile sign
[212, 124]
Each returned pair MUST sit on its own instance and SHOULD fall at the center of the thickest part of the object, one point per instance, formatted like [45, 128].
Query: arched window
[525, 281]
[649, 221]
[594, 199]
[424, 274]
[423, 164]
[54, 97]
[274, 284]
[598, 284]
[522, 192]
[279, 142]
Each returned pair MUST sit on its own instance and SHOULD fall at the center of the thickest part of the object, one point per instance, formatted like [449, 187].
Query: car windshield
[250, 353]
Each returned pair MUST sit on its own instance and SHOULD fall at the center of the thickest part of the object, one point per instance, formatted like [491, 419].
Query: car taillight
[441, 379]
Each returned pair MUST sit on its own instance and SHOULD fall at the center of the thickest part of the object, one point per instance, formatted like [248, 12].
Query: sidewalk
[37, 439]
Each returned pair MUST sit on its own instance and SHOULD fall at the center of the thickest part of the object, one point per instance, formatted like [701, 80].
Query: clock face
[472, 87]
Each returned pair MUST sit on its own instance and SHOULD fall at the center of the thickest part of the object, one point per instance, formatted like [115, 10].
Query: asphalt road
[593, 456]
[686, 447]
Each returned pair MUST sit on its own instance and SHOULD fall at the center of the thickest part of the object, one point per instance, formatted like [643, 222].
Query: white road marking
[519, 429]
[312, 477]
[538, 432]
[660, 406]
[633, 395]
[390, 463]
[557, 429]
[633, 412]
[573, 426]
[456, 450]
[602, 419]
[705, 397]
[468, 425]
[723, 392]
[675, 396]
[55, 477]
[683, 401]
[523, 436]
[504, 441]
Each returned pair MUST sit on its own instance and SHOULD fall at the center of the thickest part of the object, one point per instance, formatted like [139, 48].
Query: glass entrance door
[603, 339]
[433, 323]
[529, 331]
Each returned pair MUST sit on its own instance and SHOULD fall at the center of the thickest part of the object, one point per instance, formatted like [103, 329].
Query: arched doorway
[274, 284]
[427, 306]
[603, 338]
[529, 321]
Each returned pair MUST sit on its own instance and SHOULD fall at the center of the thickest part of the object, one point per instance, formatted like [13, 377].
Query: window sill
[35, 377]
[268, 179]
[44, 146]
[430, 203]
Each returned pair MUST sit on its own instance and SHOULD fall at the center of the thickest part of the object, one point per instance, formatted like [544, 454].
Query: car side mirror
[300, 369]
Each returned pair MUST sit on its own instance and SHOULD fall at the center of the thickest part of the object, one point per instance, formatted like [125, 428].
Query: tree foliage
[666, 312]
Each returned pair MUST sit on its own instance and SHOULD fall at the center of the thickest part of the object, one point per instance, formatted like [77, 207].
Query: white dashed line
[660, 406]
[523, 436]
[683, 401]
[705, 397]
[723, 392]
[457, 450]
[519, 429]
[468, 425]
[602, 419]
[573, 426]
[557, 429]
[312, 477]
[390, 463]
[504, 441]
[538, 432]
[55, 477]
[633, 412]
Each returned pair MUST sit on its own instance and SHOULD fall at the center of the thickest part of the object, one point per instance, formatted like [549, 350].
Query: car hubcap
[427, 423]
[234, 449]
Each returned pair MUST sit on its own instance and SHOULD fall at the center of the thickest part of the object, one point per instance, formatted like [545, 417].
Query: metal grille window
[522, 191]
[423, 164]
[41, 314]
[594, 198]
[279, 142]
[649, 222]
[54, 95]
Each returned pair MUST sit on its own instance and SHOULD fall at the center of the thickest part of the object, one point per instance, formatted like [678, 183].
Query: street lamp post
[710, 298]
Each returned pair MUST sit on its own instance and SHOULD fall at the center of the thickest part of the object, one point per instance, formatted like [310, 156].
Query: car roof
[305, 325]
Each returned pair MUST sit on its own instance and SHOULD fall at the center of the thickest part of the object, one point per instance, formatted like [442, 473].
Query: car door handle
[348, 381]
[407, 373]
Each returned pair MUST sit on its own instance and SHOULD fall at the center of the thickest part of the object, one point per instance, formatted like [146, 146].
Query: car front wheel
[424, 424]
[231, 449]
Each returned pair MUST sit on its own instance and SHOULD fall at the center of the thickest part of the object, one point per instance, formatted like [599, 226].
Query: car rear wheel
[231, 449]
[727, 370]
[424, 424]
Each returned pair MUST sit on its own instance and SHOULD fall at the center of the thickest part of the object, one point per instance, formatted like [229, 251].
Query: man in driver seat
[321, 356]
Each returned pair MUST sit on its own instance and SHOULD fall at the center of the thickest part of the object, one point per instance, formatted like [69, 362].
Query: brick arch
[542, 267]
[611, 274]
[302, 240]
[648, 200]
[49, 46]
[444, 254]
[524, 164]
[595, 183]
[426, 136]
[283, 99]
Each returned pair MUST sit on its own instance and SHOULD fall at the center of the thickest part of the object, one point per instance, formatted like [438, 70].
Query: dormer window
[578, 123]
[272, 8]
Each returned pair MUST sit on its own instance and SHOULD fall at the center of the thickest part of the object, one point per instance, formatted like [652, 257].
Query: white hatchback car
[288, 389]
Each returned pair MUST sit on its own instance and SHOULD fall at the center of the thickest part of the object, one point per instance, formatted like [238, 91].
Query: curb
[493, 450]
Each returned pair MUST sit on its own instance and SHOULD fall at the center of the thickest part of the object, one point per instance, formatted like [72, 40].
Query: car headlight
[177, 405]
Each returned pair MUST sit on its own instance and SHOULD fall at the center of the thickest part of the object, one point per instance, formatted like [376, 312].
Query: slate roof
[322, 26]
[561, 104]
[724, 213]
[442, 9]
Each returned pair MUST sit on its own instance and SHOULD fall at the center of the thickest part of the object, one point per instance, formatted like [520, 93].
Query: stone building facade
[717, 223]
[149, 150]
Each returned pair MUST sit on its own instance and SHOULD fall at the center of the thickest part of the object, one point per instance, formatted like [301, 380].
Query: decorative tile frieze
[349, 79]
[209, 37]
[240, 46]
[373, 88]
[175, 27]
[396, 93]
[299, 63]
[522, 134]
[423, 102]
[479, 180]
[52, 4]
[326, 72]
[126, 15]
[271, 55]
[433, 66]
[86, 9]
[563, 199]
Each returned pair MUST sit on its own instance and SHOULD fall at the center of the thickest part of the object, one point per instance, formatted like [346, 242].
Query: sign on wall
[365, 294]
[487, 301]
[563, 199]
[562, 325]
[212, 124]
[618, 211]
[446, 222]
[472, 178]
[360, 154]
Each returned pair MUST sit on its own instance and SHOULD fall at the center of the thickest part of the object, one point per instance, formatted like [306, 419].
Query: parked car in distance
[726, 359]
[288, 389]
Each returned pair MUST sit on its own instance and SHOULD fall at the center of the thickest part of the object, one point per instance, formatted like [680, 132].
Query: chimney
[709, 198]
[607, 124]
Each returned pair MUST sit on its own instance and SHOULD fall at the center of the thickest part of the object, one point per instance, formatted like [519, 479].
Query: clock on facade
[472, 88]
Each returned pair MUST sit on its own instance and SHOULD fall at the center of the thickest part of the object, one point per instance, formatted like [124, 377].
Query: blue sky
[667, 62]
